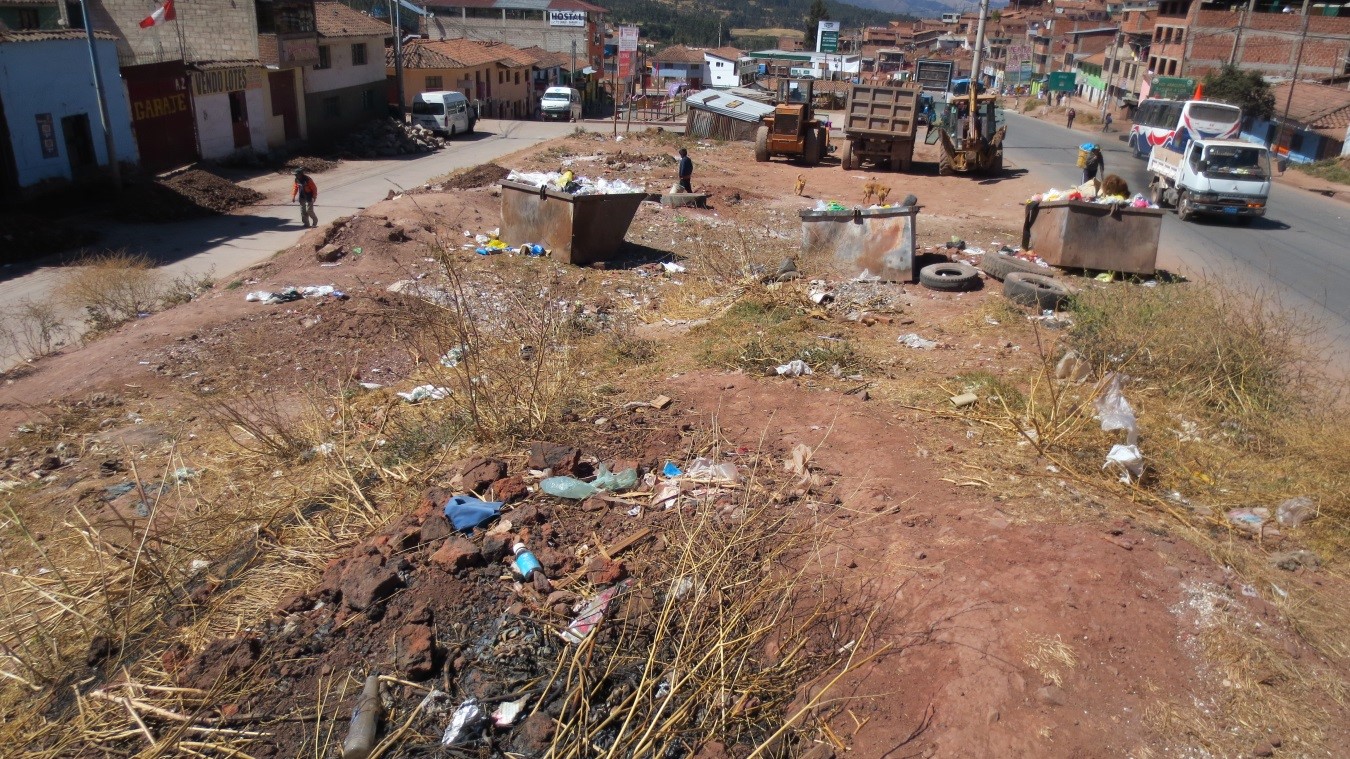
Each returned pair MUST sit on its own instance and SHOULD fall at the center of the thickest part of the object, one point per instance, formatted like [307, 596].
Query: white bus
[1174, 123]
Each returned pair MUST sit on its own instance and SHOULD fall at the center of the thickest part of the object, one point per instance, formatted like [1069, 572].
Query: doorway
[239, 119]
[283, 101]
[79, 145]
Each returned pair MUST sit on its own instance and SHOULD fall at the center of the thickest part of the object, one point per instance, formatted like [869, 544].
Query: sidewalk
[222, 245]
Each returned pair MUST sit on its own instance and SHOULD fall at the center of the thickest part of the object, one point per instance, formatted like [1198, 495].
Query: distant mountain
[918, 8]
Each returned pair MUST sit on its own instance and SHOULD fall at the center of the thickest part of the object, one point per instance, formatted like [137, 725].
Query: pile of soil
[189, 195]
[481, 175]
[310, 164]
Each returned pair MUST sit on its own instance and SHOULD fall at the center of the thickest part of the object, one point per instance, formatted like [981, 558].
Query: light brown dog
[870, 190]
[801, 184]
[882, 192]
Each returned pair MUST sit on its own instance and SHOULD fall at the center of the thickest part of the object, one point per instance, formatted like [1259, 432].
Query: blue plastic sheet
[466, 512]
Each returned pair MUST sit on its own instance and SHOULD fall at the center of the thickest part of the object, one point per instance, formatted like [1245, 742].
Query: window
[483, 13]
[29, 18]
[521, 14]
[501, 77]
[433, 84]
[358, 53]
[332, 107]
[325, 58]
[517, 77]
[368, 100]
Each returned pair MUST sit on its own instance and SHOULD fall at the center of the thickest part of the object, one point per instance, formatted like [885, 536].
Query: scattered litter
[1128, 460]
[964, 399]
[914, 341]
[454, 356]
[1249, 520]
[1116, 413]
[323, 449]
[114, 492]
[591, 613]
[673, 268]
[798, 461]
[704, 470]
[665, 495]
[568, 487]
[425, 393]
[794, 368]
[614, 481]
[574, 185]
[466, 512]
[670, 470]
[364, 729]
[506, 712]
[182, 474]
[1073, 368]
[289, 294]
[464, 725]
[370, 385]
[1295, 511]
[1291, 561]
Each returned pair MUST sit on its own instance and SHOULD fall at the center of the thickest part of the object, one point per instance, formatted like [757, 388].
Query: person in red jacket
[307, 192]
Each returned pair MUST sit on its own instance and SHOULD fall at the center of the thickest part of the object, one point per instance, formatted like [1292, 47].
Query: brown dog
[870, 190]
[801, 184]
[882, 192]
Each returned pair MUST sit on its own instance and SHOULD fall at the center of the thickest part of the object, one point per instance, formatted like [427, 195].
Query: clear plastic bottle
[568, 487]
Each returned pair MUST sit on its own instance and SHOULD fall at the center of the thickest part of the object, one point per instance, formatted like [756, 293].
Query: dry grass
[31, 329]
[1050, 657]
[112, 287]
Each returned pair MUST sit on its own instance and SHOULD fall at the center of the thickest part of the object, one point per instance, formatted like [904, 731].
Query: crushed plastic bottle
[568, 487]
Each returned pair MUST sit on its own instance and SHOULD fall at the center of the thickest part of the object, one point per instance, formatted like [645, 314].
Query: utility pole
[113, 167]
[973, 123]
[1106, 74]
[1293, 81]
[398, 57]
[1237, 38]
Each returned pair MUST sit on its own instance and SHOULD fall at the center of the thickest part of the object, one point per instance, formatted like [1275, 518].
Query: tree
[1245, 89]
[817, 13]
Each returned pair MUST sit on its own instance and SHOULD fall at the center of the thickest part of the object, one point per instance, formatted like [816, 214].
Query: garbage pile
[387, 138]
[567, 181]
[515, 609]
[1087, 193]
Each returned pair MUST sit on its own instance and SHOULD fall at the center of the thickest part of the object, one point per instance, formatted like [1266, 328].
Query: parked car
[447, 113]
[562, 103]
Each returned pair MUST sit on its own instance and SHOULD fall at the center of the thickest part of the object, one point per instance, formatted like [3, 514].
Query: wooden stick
[144, 730]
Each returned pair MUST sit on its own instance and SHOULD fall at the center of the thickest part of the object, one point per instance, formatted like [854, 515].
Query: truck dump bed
[882, 111]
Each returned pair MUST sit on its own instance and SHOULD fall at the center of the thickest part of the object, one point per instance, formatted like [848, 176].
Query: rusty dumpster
[579, 229]
[875, 241]
[1075, 234]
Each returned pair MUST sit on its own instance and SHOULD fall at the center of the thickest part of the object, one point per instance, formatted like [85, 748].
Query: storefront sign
[219, 80]
[157, 107]
[47, 135]
[567, 18]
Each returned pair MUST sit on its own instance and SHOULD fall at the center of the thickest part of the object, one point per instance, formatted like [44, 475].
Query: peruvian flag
[162, 14]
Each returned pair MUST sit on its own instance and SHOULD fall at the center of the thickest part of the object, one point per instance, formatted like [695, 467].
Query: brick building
[347, 85]
[497, 77]
[1190, 40]
[558, 26]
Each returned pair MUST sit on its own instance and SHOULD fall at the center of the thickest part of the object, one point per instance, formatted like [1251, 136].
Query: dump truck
[968, 145]
[934, 75]
[1228, 178]
[879, 126]
[793, 129]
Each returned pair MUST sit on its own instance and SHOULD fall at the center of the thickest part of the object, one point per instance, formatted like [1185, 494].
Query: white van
[447, 113]
[563, 103]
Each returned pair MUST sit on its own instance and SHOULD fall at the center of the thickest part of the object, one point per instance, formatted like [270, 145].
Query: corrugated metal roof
[728, 104]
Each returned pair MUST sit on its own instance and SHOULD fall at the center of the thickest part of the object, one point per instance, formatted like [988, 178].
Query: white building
[348, 86]
[728, 67]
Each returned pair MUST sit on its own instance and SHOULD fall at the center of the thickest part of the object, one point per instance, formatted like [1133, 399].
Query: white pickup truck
[1220, 177]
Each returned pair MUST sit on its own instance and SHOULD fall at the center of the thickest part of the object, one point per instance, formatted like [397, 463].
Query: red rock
[602, 571]
[415, 652]
[436, 527]
[477, 475]
[497, 546]
[529, 514]
[433, 501]
[222, 660]
[509, 489]
[712, 750]
[562, 459]
[457, 553]
[368, 581]
[534, 734]
[555, 562]
[295, 604]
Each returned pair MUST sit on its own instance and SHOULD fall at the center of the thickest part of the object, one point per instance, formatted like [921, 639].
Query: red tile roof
[679, 54]
[338, 20]
[462, 53]
[727, 53]
[547, 59]
[1324, 109]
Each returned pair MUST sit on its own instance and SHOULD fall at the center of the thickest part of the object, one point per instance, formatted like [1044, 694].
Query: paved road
[1299, 253]
[225, 244]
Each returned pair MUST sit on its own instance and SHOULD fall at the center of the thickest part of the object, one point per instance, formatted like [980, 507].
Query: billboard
[628, 40]
[827, 37]
[1061, 81]
[567, 18]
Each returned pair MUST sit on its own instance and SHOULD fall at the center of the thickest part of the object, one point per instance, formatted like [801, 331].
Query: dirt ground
[1017, 612]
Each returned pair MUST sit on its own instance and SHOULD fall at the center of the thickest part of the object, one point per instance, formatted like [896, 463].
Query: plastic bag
[1128, 460]
[614, 481]
[1116, 413]
[568, 487]
[794, 368]
[1295, 511]
[914, 341]
[466, 512]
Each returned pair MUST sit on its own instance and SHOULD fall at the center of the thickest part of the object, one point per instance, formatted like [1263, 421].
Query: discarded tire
[1000, 266]
[1035, 290]
[949, 277]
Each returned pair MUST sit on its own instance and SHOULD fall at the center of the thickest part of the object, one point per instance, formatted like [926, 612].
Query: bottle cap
[518, 547]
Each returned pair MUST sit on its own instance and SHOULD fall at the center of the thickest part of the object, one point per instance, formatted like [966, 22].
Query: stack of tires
[1026, 283]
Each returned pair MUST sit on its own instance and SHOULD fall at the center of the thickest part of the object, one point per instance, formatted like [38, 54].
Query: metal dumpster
[579, 229]
[1075, 234]
[879, 241]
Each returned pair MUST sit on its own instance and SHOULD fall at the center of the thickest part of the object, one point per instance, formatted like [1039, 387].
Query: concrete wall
[1268, 43]
[28, 73]
[215, 130]
[450, 23]
[342, 74]
[213, 30]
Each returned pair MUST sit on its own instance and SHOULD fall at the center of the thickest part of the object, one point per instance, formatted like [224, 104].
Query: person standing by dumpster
[686, 171]
[1091, 161]
[307, 192]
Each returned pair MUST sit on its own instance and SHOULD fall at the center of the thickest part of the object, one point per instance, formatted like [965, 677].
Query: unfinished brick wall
[1268, 43]
[211, 30]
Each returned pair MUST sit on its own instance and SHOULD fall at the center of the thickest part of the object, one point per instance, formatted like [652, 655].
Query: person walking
[686, 171]
[307, 192]
[1106, 122]
[1071, 115]
[1091, 161]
